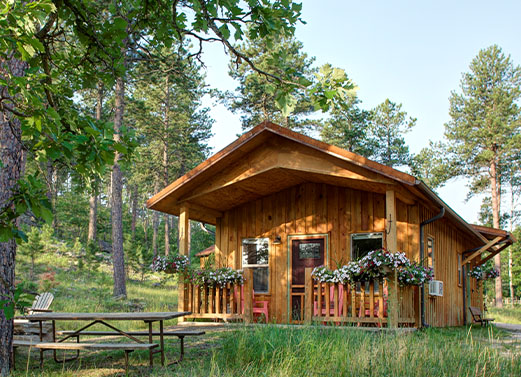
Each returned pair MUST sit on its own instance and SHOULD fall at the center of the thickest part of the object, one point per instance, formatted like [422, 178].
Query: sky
[412, 52]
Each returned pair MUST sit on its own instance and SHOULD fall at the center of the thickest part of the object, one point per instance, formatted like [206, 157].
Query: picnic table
[103, 319]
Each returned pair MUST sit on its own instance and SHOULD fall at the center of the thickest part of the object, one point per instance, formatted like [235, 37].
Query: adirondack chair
[41, 303]
[259, 307]
[376, 310]
[331, 305]
[25, 330]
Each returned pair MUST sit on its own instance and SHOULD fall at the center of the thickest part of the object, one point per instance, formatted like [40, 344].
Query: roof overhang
[497, 241]
[263, 161]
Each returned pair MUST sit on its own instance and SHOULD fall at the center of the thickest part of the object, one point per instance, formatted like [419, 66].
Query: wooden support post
[248, 295]
[392, 246]
[184, 243]
[308, 297]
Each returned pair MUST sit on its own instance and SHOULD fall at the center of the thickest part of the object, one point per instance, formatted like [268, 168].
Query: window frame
[431, 260]
[460, 270]
[257, 241]
[351, 249]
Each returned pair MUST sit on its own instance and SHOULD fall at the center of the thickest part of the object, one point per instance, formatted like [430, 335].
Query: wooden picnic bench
[127, 347]
[477, 316]
[179, 334]
[102, 318]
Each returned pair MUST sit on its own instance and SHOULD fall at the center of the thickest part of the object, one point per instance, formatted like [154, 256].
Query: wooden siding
[309, 209]
[448, 242]
[318, 208]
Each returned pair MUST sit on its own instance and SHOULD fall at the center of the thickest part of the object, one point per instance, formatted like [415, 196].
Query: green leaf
[5, 234]
[225, 31]
[46, 214]
[120, 23]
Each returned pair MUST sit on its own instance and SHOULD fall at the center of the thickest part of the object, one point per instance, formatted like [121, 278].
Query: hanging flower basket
[171, 264]
[221, 276]
[376, 265]
[484, 272]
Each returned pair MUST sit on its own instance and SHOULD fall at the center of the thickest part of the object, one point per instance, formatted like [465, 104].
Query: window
[460, 271]
[363, 243]
[310, 250]
[430, 253]
[255, 255]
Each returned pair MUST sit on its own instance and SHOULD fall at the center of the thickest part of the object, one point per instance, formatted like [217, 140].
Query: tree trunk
[118, 256]
[165, 158]
[495, 220]
[510, 283]
[93, 216]
[93, 200]
[11, 156]
[167, 236]
[133, 204]
[155, 225]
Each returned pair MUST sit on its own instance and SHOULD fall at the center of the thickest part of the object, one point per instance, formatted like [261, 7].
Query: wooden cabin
[283, 202]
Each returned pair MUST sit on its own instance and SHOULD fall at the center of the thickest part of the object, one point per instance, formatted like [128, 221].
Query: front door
[305, 253]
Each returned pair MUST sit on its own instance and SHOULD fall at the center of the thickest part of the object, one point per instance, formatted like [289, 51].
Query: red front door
[308, 252]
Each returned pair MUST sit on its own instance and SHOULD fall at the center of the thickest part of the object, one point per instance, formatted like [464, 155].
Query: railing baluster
[319, 290]
[371, 299]
[335, 299]
[328, 300]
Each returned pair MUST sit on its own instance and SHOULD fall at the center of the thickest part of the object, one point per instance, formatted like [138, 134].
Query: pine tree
[347, 127]
[32, 248]
[388, 125]
[255, 97]
[484, 128]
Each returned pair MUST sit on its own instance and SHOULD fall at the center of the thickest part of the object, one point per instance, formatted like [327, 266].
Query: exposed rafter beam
[493, 254]
[482, 249]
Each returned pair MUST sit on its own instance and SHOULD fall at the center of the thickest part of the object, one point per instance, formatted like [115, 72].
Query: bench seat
[127, 347]
[179, 334]
[84, 346]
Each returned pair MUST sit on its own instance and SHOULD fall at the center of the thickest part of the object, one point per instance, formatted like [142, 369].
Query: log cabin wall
[448, 242]
[309, 209]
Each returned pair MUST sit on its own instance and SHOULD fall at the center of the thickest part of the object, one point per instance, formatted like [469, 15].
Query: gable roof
[262, 161]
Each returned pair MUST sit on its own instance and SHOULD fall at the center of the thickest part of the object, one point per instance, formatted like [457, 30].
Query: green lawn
[269, 350]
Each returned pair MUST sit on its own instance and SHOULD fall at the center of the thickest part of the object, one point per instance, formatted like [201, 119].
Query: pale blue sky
[412, 52]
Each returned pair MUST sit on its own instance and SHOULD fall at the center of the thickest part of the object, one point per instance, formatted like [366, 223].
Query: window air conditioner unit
[436, 288]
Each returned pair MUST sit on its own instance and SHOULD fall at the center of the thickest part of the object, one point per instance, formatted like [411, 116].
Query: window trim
[429, 237]
[257, 241]
[460, 270]
[362, 233]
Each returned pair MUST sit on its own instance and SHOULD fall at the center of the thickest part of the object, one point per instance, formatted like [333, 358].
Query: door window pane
[309, 250]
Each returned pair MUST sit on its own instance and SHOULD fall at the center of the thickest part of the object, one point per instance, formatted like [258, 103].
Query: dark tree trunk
[118, 256]
[11, 156]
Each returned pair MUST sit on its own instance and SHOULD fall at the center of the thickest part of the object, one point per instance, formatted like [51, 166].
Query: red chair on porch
[331, 302]
[258, 307]
[376, 310]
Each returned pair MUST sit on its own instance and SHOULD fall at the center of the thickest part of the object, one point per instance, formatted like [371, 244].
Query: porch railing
[229, 302]
[362, 303]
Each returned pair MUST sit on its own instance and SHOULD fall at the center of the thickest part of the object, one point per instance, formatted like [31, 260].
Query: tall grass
[506, 315]
[273, 351]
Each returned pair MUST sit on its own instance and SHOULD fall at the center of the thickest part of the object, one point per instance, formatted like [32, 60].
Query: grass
[268, 350]
[506, 314]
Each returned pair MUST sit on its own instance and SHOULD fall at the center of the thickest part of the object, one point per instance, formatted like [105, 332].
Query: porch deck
[340, 304]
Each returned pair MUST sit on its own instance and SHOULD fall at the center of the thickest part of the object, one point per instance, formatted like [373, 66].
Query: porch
[364, 304]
